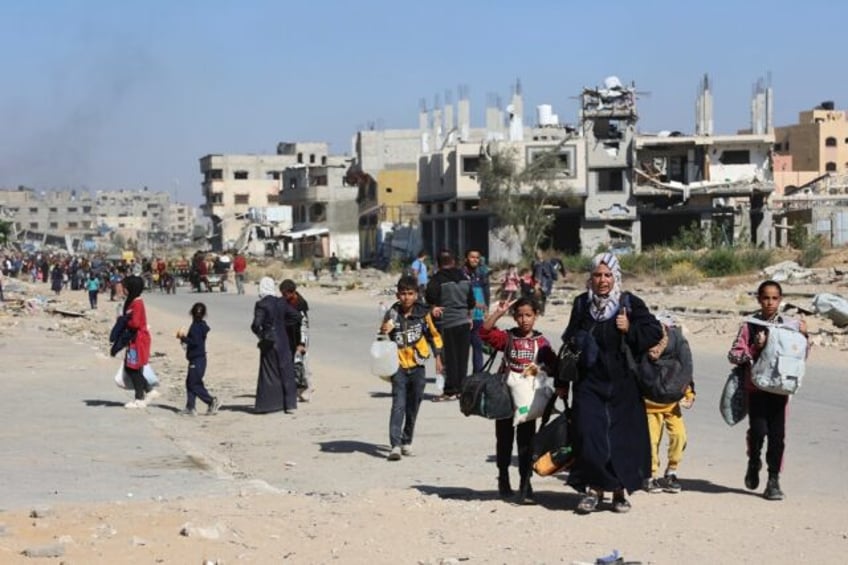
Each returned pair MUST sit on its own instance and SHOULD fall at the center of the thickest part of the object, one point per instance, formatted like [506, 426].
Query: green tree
[5, 230]
[523, 200]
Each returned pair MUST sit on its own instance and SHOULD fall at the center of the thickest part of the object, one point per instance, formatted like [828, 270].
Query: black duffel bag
[552, 449]
[486, 394]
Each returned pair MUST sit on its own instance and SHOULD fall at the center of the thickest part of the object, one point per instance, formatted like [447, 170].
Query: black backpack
[665, 380]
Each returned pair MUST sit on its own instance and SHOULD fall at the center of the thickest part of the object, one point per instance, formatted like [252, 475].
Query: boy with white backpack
[766, 410]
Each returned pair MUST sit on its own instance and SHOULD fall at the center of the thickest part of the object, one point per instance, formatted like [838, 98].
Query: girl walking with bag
[766, 411]
[138, 350]
[526, 352]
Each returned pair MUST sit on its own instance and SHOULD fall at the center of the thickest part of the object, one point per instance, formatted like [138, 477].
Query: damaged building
[634, 190]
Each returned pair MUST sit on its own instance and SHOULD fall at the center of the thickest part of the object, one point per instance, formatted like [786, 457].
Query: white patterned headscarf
[603, 308]
[267, 287]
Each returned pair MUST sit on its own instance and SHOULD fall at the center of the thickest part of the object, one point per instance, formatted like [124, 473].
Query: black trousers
[138, 381]
[457, 341]
[505, 435]
[767, 419]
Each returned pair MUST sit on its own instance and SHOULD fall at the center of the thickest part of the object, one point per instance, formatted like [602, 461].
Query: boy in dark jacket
[195, 346]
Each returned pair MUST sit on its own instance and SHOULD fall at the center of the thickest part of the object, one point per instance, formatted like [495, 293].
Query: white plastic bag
[384, 358]
[440, 383]
[530, 395]
[123, 380]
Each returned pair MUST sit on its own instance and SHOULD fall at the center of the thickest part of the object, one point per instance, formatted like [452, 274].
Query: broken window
[86, 209]
[735, 157]
[293, 183]
[610, 180]
[830, 167]
[215, 174]
[564, 158]
[317, 212]
[830, 142]
[471, 165]
[73, 225]
[300, 157]
[240, 175]
[54, 225]
[33, 225]
[242, 198]
[217, 198]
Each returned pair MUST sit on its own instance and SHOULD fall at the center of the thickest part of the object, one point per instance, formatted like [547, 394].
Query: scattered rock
[40, 512]
[49, 550]
[214, 532]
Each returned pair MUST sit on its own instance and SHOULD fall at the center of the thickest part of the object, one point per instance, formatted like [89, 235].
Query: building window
[73, 225]
[72, 210]
[53, 210]
[830, 142]
[54, 225]
[86, 224]
[610, 180]
[33, 210]
[317, 212]
[144, 214]
[240, 175]
[33, 225]
[735, 157]
[830, 167]
[565, 158]
[312, 158]
[274, 175]
[471, 165]
[273, 199]
[217, 198]
[242, 198]
[300, 157]
[86, 209]
[215, 174]
[323, 159]
[388, 189]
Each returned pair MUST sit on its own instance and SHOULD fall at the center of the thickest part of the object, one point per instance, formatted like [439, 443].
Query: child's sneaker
[406, 450]
[773, 491]
[653, 485]
[213, 406]
[395, 454]
[151, 394]
[133, 404]
[671, 484]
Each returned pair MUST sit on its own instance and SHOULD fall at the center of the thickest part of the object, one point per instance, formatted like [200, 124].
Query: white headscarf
[267, 287]
[603, 308]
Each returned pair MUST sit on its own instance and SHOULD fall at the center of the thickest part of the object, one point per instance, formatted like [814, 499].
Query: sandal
[588, 504]
[444, 397]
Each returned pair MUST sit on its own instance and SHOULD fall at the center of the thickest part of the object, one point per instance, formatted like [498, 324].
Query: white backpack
[782, 362]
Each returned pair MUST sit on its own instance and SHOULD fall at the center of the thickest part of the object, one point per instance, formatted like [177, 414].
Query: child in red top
[138, 350]
[525, 350]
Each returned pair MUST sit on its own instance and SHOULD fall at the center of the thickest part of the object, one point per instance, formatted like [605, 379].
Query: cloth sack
[123, 380]
[530, 394]
[733, 403]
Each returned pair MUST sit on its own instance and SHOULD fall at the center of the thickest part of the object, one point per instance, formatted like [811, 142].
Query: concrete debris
[788, 271]
[832, 306]
[214, 532]
[49, 550]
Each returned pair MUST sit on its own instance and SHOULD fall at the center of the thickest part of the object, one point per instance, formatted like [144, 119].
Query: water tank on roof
[827, 105]
[544, 115]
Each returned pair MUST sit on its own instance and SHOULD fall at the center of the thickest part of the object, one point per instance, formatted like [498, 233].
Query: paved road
[65, 438]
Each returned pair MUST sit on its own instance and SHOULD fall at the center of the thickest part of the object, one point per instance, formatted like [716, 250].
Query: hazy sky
[111, 94]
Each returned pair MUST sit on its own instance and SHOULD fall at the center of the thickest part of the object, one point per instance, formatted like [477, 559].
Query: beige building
[235, 184]
[818, 142]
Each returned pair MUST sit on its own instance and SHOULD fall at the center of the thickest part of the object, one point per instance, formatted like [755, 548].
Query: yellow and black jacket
[415, 334]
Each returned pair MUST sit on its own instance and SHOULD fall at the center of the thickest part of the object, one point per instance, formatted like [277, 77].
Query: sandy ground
[118, 486]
